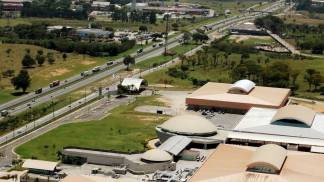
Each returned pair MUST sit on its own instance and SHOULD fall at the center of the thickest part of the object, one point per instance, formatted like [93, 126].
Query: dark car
[38, 91]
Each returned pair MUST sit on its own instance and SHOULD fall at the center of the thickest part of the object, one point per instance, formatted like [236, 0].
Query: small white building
[133, 84]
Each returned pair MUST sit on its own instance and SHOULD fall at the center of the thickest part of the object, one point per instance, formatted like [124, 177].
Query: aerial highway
[32, 99]
[44, 124]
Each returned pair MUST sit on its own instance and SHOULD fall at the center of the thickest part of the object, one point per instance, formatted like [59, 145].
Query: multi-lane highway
[28, 101]
[22, 131]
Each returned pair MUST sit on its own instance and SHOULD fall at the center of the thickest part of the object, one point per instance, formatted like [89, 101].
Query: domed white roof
[156, 155]
[243, 85]
[189, 124]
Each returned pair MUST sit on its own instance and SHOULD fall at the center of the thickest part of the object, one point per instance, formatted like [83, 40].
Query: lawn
[123, 131]
[42, 76]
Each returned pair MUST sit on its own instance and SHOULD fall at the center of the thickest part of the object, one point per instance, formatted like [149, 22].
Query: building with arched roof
[294, 113]
[293, 126]
[156, 155]
[267, 159]
[199, 129]
[268, 163]
[238, 97]
[242, 87]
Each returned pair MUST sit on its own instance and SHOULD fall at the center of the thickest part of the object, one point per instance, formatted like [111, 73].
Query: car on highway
[139, 51]
[161, 44]
[154, 45]
[85, 73]
[39, 91]
[110, 63]
[55, 83]
[96, 69]
[4, 113]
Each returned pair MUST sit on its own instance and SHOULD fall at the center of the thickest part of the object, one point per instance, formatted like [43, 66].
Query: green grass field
[42, 76]
[123, 131]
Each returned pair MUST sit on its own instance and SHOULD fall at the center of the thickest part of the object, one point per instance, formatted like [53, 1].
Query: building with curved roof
[229, 163]
[242, 86]
[189, 124]
[267, 159]
[197, 128]
[293, 126]
[238, 97]
[295, 113]
[156, 155]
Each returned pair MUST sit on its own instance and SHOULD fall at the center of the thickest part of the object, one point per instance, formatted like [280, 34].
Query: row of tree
[306, 36]
[57, 8]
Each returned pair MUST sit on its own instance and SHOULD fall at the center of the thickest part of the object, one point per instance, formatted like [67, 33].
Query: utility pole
[166, 34]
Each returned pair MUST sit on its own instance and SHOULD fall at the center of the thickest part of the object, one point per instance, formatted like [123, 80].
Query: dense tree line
[272, 23]
[50, 9]
[37, 34]
[262, 71]
[306, 5]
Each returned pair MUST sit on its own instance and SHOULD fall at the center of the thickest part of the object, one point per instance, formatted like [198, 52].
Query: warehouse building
[196, 130]
[294, 127]
[267, 163]
[238, 97]
[40, 167]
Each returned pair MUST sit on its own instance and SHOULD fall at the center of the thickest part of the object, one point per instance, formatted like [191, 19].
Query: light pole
[53, 107]
[166, 34]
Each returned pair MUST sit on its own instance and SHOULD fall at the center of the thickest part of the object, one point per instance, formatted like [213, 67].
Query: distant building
[267, 163]
[100, 6]
[294, 127]
[12, 8]
[238, 97]
[247, 28]
[96, 33]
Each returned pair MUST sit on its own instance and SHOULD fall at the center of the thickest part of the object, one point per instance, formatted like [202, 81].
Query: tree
[64, 56]
[186, 37]
[8, 51]
[128, 60]
[40, 59]
[143, 28]
[50, 58]
[28, 61]
[22, 81]
[308, 77]
[199, 37]
[152, 18]
[317, 80]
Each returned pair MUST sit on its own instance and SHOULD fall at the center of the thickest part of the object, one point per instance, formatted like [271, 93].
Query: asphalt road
[26, 102]
[21, 133]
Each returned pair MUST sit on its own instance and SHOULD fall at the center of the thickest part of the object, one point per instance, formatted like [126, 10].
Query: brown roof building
[241, 96]
[268, 163]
